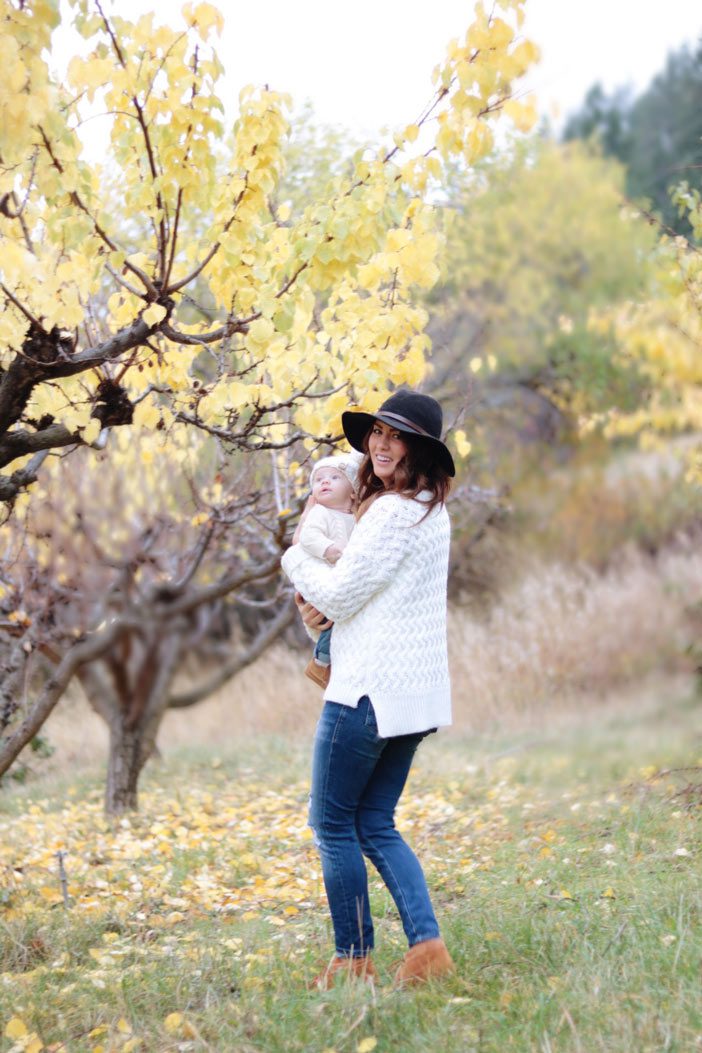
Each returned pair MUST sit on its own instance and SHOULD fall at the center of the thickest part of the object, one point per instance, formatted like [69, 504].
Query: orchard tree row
[178, 334]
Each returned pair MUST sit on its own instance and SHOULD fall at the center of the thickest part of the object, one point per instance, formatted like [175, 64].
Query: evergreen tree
[657, 135]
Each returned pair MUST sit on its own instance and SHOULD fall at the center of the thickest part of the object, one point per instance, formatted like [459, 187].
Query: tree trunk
[134, 725]
[127, 758]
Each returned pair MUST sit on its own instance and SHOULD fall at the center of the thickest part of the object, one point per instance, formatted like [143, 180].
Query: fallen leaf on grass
[15, 1028]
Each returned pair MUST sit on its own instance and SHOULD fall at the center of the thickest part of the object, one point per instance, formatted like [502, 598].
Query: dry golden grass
[562, 636]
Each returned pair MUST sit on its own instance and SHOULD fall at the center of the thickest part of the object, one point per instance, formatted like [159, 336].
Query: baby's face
[331, 488]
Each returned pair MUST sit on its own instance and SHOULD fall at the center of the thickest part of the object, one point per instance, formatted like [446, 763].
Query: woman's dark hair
[417, 471]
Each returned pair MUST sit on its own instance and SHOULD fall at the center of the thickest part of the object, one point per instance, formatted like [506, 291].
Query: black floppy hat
[407, 411]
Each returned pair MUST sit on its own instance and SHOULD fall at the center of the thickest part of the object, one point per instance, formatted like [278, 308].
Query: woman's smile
[386, 448]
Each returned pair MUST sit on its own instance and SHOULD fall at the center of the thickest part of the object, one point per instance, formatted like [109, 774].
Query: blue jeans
[357, 779]
[322, 650]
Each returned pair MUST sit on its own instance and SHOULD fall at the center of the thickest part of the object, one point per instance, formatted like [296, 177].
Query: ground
[564, 863]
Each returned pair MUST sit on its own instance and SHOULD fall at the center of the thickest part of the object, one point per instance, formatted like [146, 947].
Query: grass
[565, 868]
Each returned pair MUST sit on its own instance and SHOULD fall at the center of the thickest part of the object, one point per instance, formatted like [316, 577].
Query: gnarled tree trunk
[130, 689]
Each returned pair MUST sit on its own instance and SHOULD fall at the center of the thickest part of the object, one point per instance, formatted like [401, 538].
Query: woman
[389, 684]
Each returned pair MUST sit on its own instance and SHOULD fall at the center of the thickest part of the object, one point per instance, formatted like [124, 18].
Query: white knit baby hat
[348, 463]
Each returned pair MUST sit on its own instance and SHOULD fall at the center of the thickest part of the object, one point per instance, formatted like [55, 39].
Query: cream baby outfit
[324, 527]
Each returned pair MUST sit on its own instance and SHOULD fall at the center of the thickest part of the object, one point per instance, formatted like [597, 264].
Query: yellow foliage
[663, 335]
[181, 208]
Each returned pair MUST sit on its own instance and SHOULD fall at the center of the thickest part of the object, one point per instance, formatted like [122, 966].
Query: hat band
[410, 423]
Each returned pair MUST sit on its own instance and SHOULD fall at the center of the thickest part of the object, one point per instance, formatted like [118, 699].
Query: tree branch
[217, 589]
[19, 443]
[85, 651]
[10, 486]
[270, 632]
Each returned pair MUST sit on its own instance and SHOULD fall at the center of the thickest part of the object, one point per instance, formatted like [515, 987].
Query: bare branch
[20, 307]
[192, 339]
[122, 281]
[11, 486]
[19, 443]
[217, 589]
[85, 651]
[177, 587]
[270, 632]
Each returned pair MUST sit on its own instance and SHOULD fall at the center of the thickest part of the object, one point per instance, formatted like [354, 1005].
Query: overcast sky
[368, 63]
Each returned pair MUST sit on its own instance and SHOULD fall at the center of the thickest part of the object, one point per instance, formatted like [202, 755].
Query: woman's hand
[310, 504]
[312, 618]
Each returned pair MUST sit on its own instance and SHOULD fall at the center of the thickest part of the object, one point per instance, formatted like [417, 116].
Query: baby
[326, 530]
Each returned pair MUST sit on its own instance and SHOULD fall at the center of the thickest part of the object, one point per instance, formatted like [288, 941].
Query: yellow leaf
[609, 893]
[154, 314]
[204, 17]
[91, 431]
[565, 894]
[367, 1044]
[462, 445]
[522, 114]
[173, 1023]
[123, 1026]
[15, 1028]
[131, 1044]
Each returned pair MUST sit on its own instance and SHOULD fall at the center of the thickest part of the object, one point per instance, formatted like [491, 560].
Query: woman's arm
[378, 545]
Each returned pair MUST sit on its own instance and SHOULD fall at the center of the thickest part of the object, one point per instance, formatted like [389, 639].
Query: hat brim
[356, 426]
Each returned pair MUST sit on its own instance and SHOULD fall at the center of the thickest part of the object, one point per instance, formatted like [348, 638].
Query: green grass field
[565, 869]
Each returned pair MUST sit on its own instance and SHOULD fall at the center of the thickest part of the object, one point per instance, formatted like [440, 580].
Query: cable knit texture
[387, 598]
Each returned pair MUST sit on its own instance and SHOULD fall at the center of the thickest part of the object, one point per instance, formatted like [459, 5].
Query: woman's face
[386, 448]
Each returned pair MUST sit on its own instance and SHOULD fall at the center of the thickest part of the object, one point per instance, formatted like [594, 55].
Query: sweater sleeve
[314, 535]
[378, 546]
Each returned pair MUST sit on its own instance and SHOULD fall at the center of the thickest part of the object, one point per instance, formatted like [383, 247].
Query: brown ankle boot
[424, 961]
[348, 968]
[319, 673]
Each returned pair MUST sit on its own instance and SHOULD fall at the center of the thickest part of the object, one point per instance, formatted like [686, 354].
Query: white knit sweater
[387, 598]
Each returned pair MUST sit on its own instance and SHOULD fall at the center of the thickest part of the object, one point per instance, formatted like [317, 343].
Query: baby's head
[334, 480]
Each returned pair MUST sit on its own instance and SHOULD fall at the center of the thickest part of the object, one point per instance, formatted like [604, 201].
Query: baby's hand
[332, 554]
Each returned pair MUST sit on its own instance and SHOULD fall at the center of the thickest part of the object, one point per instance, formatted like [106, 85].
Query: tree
[124, 578]
[662, 333]
[98, 328]
[657, 135]
[536, 240]
[176, 294]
